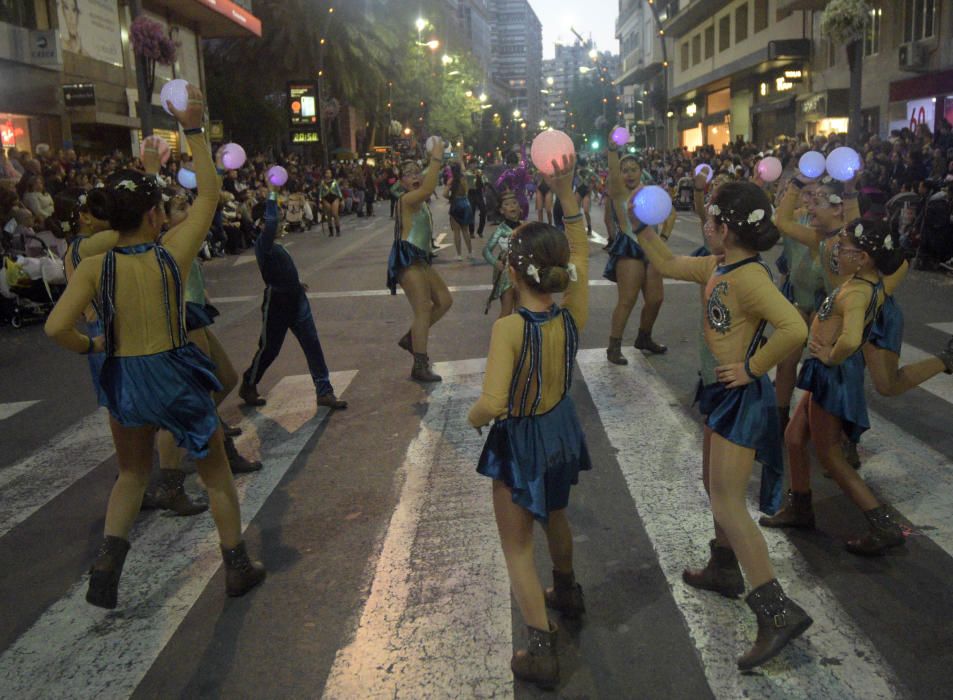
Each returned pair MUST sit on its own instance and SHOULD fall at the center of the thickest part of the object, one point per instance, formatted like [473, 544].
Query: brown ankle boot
[239, 463]
[721, 574]
[566, 595]
[241, 573]
[797, 511]
[644, 342]
[780, 620]
[407, 343]
[421, 371]
[538, 663]
[614, 352]
[105, 572]
[884, 533]
[169, 495]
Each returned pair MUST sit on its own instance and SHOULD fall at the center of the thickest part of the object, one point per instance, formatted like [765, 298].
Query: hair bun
[554, 279]
[101, 203]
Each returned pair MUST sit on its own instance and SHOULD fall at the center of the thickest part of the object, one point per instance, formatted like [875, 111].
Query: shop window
[872, 36]
[919, 19]
[719, 135]
[724, 33]
[710, 41]
[684, 60]
[741, 23]
[21, 13]
[719, 101]
[692, 138]
[696, 49]
[760, 15]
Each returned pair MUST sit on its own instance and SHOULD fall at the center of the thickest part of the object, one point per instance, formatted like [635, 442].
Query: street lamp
[516, 114]
[483, 97]
[585, 69]
[421, 24]
[593, 54]
[550, 80]
[434, 44]
[446, 59]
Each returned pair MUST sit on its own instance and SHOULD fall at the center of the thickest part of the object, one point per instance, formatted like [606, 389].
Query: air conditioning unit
[913, 57]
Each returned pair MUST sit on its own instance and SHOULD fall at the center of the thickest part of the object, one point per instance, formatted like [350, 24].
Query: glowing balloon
[177, 92]
[187, 179]
[707, 169]
[769, 169]
[548, 146]
[619, 136]
[812, 164]
[161, 145]
[432, 142]
[277, 175]
[843, 163]
[652, 205]
[233, 156]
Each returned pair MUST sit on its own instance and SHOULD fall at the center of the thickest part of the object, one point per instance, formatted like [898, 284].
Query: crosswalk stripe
[659, 453]
[35, 480]
[171, 561]
[943, 327]
[939, 385]
[440, 563]
[8, 410]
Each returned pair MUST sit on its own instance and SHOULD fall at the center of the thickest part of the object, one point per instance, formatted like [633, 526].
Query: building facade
[67, 70]
[517, 54]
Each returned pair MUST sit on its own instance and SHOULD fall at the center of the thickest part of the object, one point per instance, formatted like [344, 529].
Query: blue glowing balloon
[843, 163]
[812, 164]
[177, 92]
[652, 205]
[187, 179]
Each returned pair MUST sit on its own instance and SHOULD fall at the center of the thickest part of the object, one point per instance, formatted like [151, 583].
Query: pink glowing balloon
[548, 146]
[177, 92]
[769, 169]
[162, 146]
[619, 136]
[704, 167]
[277, 175]
[233, 156]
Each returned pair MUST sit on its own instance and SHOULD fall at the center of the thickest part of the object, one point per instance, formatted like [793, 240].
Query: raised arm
[786, 223]
[431, 177]
[88, 246]
[891, 282]
[615, 185]
[576, 296]
[494, 400]
[266, 240]
[61, 323]
[680, 267]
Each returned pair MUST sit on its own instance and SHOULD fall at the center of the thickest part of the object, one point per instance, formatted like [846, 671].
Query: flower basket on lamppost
[845, 23]
[152, 46]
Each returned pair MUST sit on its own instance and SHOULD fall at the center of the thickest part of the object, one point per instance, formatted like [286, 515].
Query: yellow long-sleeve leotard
[507, 340]
[747, 295]
[141, 326]
[843, 318]
[87, 246]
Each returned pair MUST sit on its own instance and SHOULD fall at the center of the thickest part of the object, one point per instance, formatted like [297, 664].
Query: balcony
[691, 16]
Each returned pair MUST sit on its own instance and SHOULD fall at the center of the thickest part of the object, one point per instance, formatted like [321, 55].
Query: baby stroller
[30, 286]
[295, 214]
[902, 210]
[685, 194]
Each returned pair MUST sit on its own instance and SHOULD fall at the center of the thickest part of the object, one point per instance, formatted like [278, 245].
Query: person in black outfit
[477, 203]
[285, 307]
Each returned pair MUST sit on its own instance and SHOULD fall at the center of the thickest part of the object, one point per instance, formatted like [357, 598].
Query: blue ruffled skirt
[887, 330]
[700, 252]
[748, 416]
[622, 247]
[95, 360]
[839, 390]
[199, 315]
[782, 264]
[403, 254]
[539, 457]
[461, 211]
[171, 390]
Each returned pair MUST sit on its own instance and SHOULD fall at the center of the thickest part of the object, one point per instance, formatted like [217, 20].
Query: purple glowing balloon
[769, 169]
[548, 146]
[277, 175]
[652, 205]
[843, 163]
[177, 92]
[812, 164]
[233, 156]
[187, 179]
[706, 168]
[619, 136]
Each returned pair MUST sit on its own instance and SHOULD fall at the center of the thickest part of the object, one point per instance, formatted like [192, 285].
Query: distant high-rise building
[573, 62]
[517, 54]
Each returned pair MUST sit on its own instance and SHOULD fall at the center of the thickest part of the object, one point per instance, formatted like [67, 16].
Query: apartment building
[517, 54]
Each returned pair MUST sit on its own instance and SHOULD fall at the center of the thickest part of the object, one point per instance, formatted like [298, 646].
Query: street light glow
[421, 24]
[584, 69]
[550, 80]
[516, 114]
[434, 44]
[446, 59]
[483, 97]
[593, 54]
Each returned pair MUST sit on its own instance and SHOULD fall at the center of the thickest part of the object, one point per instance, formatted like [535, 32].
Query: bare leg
[629, 275]
[892, 380]
[456, 237]
[515, 525]
[720, 537]
[222, 497]
[827, 434]
[224, 369]
[653, 294]
[439, 295]
[413, 280]
[796, 438]
[134, 454]
[559, 538]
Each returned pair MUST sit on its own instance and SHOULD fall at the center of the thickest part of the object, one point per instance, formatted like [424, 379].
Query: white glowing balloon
[187, 179]
[704, 167]
[769, 169]
[652, 205]
[843, 163]
[177, 92]
[233, 156]
[812, 164]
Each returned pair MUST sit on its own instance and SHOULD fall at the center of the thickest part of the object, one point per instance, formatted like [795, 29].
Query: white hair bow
[533, 272]
[573, 275]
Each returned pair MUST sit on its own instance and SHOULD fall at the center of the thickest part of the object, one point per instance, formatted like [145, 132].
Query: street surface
[385, 575]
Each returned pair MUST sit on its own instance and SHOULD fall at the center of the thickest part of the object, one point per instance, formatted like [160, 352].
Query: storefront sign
[305, 137]
[815, 104]
[79, 95]
[921, 112]
[302, 105]
[45, 49]
[793, 76]
[91, 28]
[216, 130]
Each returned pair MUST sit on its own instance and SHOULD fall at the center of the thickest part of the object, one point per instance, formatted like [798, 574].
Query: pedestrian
[536, 447]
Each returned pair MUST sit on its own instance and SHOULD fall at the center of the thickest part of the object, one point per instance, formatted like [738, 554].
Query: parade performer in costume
[833, 379]
[477, 201]
[536, 447]
[329, 192]
[153, 377]
[409, 261]
[737, 398]
[627, 265]
[503, 288]
[585, 185]
[544, 200]
[516, 179]
[461, 213]
[285, 308]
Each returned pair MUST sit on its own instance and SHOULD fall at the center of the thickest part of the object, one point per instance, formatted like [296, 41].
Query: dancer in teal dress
[496, 250]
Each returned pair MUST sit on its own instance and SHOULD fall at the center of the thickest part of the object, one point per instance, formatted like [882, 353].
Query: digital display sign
[303, 105]
[304, 137]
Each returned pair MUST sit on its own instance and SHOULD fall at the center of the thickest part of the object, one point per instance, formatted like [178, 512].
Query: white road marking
[77, 651]
[659, 452]
[437, 623]
[940, 385]
[8, 410]
[942, 327]
[243, 260]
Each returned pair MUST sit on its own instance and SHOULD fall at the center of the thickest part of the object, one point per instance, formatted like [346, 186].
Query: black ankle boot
[238, 463]
[884, 533]
[169, 494]
[614, 352]
[721, 574]
[780, 620]
[797, 511]
[644, 342]
[241, 573]
[104, 574]
[538, 663]
[422, 371]
[566, 595]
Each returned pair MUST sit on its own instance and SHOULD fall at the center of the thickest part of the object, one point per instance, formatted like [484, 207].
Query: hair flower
[532, 272]
[126, 185]
[859, 231]
[888, 242]
[573, 275]
[834, 199]
[714, 210]
[755, 216]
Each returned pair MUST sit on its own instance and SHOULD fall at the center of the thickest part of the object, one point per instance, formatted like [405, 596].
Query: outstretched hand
[150, 155]
[561, 179]
[193, 115]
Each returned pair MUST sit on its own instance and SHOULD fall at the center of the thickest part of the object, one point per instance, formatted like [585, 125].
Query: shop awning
[925, 85]
[215, 18]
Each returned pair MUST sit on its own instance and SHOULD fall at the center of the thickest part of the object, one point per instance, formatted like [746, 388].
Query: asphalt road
[385, 576]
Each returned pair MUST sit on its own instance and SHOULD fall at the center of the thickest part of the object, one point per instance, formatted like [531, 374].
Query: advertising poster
[91, 28]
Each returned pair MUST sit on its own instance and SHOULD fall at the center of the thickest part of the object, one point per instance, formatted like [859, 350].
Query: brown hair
[545, 247]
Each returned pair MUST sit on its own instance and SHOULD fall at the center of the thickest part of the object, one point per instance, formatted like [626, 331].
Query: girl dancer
[516, 179]
[544, 200]
[410, 257]
[536, 447]
[503, 288]
[152, 377]
[627, 266]
[329, 192]
[738, 400]
[461, 213]
[585, 184]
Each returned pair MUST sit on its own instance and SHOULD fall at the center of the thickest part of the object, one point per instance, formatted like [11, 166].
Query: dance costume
[330, 192]
[804, 286]
[536, 445]
[887, 330]
[415, 248]
[625, 244]
[740, 299]
[500, 239]
[461, 211]
[516, 180]
[198, 313]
